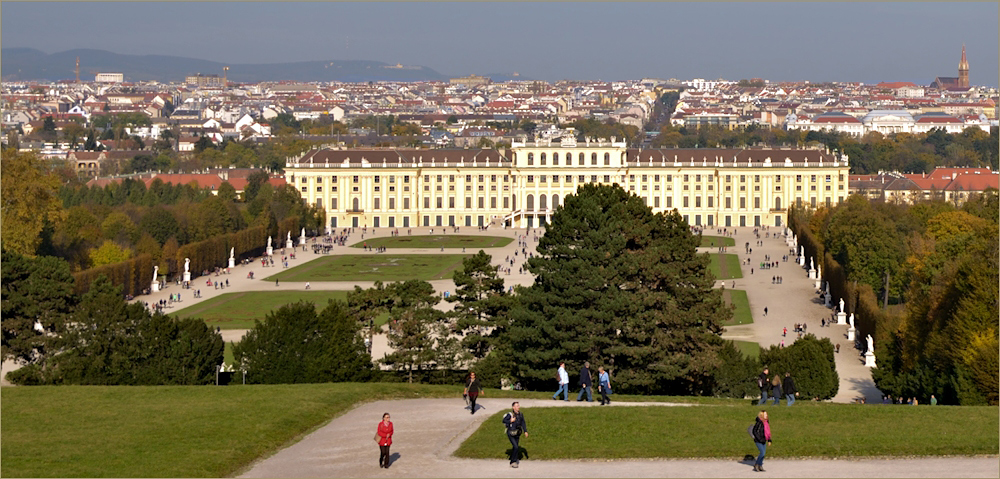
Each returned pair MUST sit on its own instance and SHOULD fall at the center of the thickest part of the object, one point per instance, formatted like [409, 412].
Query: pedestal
[812, 273]
[302, 241]
[232, 262]
[841, 318]
[802, 261]
[870, 359]
[829, 300]
[850, 333]
[270, 250]
[818, 283]
[288, 244]
[154, 286]
[187, 276]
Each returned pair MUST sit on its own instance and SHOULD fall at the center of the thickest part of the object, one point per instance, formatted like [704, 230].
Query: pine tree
[481, 304]
[620, 287]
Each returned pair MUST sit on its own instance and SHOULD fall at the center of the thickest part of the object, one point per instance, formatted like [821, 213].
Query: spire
[963, 70]
[964, 64]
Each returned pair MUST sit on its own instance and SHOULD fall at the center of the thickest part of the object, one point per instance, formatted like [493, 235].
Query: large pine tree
[622, 288]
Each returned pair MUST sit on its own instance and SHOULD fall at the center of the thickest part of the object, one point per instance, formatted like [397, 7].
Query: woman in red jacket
[384, 438]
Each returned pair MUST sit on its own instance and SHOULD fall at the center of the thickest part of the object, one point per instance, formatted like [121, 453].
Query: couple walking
[586, 384]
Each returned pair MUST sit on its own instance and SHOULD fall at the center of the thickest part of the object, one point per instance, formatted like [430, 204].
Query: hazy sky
[863, 41]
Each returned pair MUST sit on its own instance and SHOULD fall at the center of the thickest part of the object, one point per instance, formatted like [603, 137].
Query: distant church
[953, 83]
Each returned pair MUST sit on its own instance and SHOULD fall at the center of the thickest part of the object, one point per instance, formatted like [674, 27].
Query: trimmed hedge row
[207, 254]
[135, 275]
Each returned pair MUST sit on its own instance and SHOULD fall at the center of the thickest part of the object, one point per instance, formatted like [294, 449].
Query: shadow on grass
[523, 454]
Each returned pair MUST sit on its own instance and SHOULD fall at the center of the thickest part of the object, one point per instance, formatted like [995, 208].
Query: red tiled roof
[950, 173]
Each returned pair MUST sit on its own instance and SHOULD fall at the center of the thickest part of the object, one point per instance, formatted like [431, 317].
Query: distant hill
[23, 64]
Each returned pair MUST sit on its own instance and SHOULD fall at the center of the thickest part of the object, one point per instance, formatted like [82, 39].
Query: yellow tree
[29, 201]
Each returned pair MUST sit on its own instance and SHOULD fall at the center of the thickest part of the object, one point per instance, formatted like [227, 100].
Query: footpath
[429, 431]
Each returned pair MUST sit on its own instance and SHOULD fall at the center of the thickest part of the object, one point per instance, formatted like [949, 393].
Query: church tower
[963, 71]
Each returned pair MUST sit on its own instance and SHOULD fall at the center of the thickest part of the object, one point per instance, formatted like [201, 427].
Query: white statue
[268, 241]
[232, 253]
[303, 232]
[871, 344]
[187, 265]
[156, 272]
[289, 235]
[850, 320]
[811, 264]
[841, 305]
[802, 250]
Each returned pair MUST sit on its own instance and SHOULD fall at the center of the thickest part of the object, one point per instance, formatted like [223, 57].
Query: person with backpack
[563, 377]
[514, 426]
[762, 384]
[761, 432]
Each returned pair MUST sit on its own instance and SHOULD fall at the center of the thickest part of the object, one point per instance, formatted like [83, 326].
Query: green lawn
[374, 267]
[748, 348]
[804, 430]
[436, 241]
[239, 310]
[742, 314]
[169, 431]
[716, 241]
[732, 264]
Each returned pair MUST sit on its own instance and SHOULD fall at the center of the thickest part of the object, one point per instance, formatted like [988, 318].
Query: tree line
[923, 279]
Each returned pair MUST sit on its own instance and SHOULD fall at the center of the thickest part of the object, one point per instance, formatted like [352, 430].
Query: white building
[109, 78]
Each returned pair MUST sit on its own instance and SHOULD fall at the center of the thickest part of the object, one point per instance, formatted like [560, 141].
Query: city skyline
[817, 42]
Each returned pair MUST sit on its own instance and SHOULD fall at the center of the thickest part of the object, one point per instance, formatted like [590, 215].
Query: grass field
[200, 431]
[742, 314]
[436, 241]
[374, 267]
[239, 310]
[748, 348]
[716, 241]
[812, 430]
[732, 266]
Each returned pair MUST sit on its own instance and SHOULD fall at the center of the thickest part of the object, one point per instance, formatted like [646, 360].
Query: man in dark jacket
[763, 384]
[514, 424]
[585, 383]
[789, 389]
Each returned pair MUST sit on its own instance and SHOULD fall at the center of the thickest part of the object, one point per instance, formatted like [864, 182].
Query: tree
[48, 124]
[109, 253]
[254, 182]
[866, 243]
[159, 223]
[73, 132]
[37, 296]
[481, 303]
[810, 361]
[734, 378]
[294, 344]
[619, 286]
[111, 342]
[29, 200]
[227, 192]
[414, 326]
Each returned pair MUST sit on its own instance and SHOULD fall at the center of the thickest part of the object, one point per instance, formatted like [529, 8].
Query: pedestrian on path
[515, 426]
[762, 384]
[604, 385]
[776, 389]
[383, 435]
[765, 311]
[472, 389]
[586, 383]
[788, 387]
[563, 378]
[761, 433]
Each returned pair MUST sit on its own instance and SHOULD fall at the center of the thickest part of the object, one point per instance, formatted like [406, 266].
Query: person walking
[586, 383]
[604, 385]
[761, 433]
[383, 436]
[776, 389]
[788, 387]
[515, 426]
[473, 390]
[563, 378]
[762, 384]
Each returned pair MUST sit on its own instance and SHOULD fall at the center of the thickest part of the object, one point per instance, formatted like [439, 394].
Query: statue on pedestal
[841, 305]
[268, 241]
[871, 344]
[850, 320]
[187, 265]
[232, 253]
[156, 272]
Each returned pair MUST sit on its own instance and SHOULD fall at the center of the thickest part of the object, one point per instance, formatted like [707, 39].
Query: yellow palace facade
[521, 186]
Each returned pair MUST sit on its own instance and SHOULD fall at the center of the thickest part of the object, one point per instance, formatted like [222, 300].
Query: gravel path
[428, 431]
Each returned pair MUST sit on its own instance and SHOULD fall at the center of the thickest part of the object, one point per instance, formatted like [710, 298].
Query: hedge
[134, 275]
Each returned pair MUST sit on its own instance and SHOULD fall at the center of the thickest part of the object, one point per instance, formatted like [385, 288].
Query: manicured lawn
[374, 267]
[741, 315]
[239, 310]
[732, 266]
[169, 431]
[716, 241]
[812, 430]
[748, 348]
[436, 241]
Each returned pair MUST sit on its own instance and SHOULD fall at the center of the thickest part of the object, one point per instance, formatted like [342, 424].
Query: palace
[522, 186]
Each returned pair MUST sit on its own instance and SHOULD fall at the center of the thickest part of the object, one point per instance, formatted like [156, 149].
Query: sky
[863, 41]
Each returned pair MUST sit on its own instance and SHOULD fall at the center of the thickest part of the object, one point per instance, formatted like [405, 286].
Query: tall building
[523, 185]
[963, 70]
